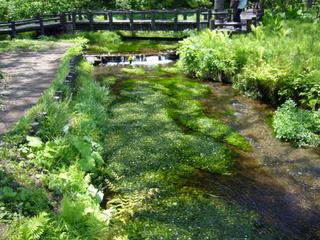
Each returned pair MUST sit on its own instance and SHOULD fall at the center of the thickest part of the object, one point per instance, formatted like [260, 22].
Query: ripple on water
[278, 181]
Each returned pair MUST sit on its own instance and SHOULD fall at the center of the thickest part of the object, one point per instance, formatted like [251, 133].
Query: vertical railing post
[74, 21]
[90, 16]
[229, 15]
[13, 28]
[80, 15]
[175, 18]
[110, 20]
[63, 21]
[212, 24]
[41, 26]
[249, 21]
[153, 20]
[124, 15]
[105, 14]
[198, 19]
[131, 20]
[69, 16]
[254, 21]
[55, 15]
[185, 14]
[209, 16]
[163, 14]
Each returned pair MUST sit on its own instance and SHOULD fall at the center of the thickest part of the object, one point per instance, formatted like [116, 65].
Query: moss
[135, 71]
[109, 81]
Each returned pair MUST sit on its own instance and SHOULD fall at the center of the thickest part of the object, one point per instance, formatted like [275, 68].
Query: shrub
[293, 124]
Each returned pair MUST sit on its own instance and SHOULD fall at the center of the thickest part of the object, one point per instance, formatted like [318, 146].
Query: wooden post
[212, 24]
[198, 19]
[74, 21]
[110, 20]
[249, 21]
[229, 15]
[69, 16]
[41, 26]
[63, 21]
[80, 15]
[205, 15]
[209, 16]
[55, 15]
[13, 28]
[124, 15]
[143, 16]
[185, 14]
[153, 21]
[131, 20]
[175, 18]
[90, 16]
[254, 21]
[37, 16]
[105, 14]
[163, 14]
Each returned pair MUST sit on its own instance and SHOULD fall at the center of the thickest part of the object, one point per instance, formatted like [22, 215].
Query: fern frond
[34, 227]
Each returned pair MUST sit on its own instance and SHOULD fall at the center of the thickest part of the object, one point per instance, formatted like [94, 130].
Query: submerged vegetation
[126, 165]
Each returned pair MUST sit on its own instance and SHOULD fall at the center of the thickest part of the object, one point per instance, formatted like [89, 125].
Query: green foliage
[34, 228]
[94, 37]
[24, 9]
[208, 58]
[300, 126]
[277, 62]
[17, 200]
[25, 44]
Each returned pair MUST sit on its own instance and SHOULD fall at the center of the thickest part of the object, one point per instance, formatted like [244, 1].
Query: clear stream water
[279, 182]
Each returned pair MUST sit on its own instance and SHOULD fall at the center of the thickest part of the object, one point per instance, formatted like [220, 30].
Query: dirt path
[29, 73]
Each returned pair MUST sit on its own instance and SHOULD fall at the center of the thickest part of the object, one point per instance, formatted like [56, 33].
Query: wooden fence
[129, 20]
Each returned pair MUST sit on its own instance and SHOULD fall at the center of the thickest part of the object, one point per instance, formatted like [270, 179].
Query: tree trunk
[309, 3]
[219, 4]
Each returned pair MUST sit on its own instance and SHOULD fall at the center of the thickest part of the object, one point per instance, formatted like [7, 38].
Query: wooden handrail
[119, 20]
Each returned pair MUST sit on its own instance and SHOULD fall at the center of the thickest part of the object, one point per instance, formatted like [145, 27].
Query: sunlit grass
[25, 44]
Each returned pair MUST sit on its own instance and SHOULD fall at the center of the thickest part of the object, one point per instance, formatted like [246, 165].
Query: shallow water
[279, 182]
[276, 180]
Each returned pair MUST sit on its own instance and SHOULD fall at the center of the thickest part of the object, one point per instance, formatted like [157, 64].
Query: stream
[279, 182]
[276, 180]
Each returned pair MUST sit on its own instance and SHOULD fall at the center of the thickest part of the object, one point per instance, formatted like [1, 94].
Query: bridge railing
[130, 20]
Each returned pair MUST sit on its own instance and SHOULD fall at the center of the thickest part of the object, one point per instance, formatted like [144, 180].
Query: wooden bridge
[129, 20]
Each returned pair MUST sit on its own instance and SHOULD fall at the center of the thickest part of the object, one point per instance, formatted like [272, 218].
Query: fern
[34, 227]
[124, 207]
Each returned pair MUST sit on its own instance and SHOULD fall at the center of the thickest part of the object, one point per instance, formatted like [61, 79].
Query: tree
[219, 4]
[309, 3]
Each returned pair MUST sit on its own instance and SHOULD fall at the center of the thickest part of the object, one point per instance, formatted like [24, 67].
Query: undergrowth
[277, 62]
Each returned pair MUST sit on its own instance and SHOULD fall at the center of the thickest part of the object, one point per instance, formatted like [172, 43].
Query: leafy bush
[208, 55]
[276, 62]
[293, 124]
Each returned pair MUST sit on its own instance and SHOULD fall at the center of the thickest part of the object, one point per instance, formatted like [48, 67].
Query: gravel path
[29, 74]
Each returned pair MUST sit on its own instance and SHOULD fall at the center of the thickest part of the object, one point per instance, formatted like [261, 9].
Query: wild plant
[295, 125]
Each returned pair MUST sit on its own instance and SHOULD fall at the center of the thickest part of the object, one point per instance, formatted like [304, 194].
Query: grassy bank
[277, 62]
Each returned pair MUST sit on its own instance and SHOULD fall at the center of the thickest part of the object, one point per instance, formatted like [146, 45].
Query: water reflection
[278, 181]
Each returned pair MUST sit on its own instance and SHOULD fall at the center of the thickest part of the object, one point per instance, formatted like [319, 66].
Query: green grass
[25, 45]
[145, 46]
